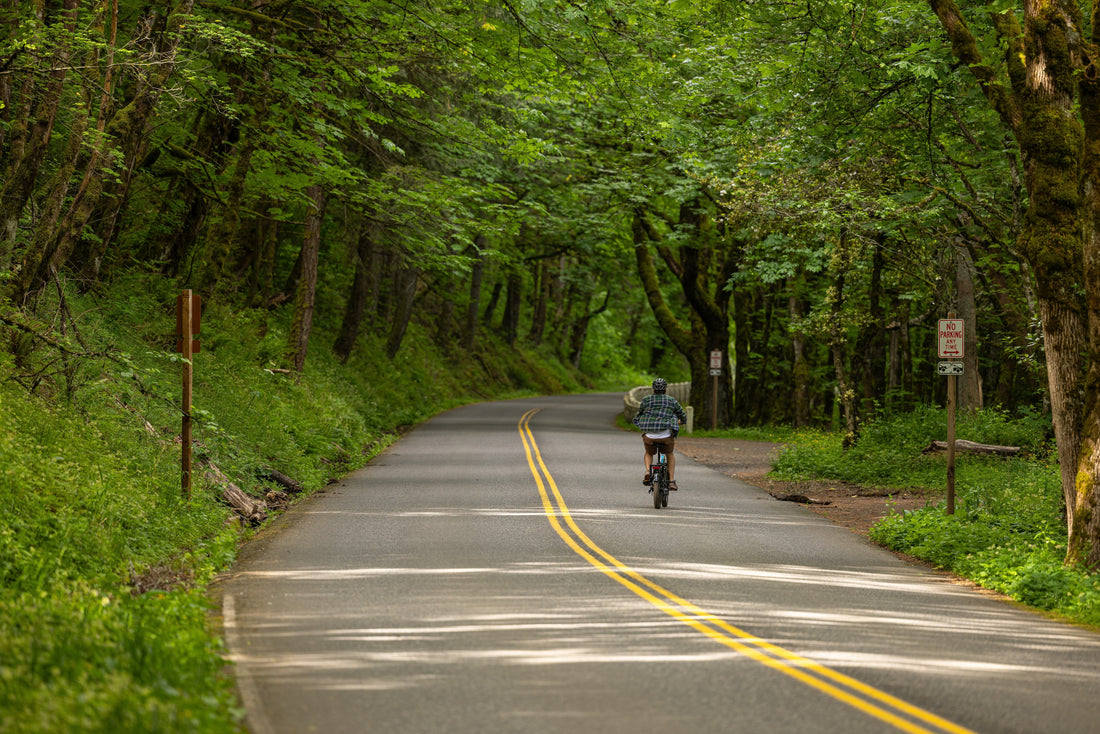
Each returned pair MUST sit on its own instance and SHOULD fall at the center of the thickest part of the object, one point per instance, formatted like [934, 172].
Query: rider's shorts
[666, 444]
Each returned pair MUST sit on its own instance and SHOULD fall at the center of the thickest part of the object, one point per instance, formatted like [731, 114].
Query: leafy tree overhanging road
[803, 186]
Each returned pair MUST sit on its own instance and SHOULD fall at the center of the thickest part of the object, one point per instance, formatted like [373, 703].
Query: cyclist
[659, 416]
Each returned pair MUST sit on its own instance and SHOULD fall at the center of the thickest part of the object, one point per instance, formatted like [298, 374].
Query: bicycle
[658, 473]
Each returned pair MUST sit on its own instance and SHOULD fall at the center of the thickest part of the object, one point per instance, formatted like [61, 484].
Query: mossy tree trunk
[31, 125]
[686, 341]
[702, 271]
[1048, 75]
[1084, 541]
[118, 140]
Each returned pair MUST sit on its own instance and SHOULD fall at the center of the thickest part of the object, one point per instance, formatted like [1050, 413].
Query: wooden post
[714, 407]
[952, 389]
[715, 373]
[188, 356]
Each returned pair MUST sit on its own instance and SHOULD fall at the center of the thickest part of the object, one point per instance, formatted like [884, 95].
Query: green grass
[104, 565]
[1007, 533]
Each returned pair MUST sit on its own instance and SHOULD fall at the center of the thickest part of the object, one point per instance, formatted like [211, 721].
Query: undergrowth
[104, 564]
[1007, 533]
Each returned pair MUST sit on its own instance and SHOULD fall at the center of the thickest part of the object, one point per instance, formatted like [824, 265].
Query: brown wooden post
[715, 373]
[188, 355]
[714, 406]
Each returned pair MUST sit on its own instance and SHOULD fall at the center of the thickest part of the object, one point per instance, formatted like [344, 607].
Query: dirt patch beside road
[851, 506]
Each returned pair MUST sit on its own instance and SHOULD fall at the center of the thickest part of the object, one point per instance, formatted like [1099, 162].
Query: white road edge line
[246, 686]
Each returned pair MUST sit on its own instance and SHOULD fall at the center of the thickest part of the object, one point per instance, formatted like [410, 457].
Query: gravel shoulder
[854, 507]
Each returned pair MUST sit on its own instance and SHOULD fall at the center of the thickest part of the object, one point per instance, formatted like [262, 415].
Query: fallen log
[800, 499]
[280, 478]
[253, 511]
[970, 447]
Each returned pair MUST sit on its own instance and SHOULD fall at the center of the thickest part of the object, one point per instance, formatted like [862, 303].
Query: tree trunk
[477, 274]
[302, 323]
[684, 340]
[969, 394]
[579, 332]
[175, 246]
[403, 308]
[704, 269]
[742, 346]
[513, 299]
[263, 234]
[542, 304]
[494, 298]
[800, 365]
[1015, 326]
[1050, 137]
[224, 231]
[764, 334]
[871, 348]
[358, 298]
[123, 134]
[971, 447]
[444, 327]
[1061, 173]
[838, 343]
[31, 135]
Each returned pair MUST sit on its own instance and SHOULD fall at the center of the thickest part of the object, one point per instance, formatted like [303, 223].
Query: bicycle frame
[659, 474]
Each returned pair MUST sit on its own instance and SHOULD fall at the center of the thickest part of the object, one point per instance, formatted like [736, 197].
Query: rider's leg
[670, 451]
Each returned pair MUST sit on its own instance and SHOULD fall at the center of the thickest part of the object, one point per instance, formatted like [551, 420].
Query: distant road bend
[502, 568]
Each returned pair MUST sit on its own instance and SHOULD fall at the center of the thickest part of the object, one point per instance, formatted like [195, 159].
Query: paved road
[501, 569]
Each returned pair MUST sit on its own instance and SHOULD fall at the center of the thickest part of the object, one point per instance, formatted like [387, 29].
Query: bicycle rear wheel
[658, 473]
[664, 488]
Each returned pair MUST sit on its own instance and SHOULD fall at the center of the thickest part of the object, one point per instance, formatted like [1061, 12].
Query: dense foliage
[1007, 534]
[805, 189]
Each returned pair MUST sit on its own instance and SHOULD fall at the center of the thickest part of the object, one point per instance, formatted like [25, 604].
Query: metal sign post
[951, 331]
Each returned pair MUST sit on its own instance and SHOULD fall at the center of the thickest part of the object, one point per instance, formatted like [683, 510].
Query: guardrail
[679, 390]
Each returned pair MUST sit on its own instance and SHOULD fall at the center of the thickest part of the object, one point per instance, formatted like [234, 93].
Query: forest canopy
[805, 187]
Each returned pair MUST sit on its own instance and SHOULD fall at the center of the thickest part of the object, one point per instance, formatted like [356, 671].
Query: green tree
[1036, 77]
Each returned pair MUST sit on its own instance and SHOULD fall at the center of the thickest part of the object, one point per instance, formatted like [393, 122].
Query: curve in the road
[868, 699]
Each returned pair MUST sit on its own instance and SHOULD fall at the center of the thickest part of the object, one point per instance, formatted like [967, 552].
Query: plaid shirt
[659, 412]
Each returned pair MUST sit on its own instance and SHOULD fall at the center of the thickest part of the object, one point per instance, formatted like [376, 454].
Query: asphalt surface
[502, 569]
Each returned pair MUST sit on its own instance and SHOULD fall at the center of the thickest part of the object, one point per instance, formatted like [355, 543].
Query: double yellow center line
[870, 700]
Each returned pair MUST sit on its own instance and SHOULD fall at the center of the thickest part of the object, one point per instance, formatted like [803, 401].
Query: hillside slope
[103, 561]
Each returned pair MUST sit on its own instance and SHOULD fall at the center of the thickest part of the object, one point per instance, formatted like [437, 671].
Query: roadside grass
[105, 624]
[1007, 533]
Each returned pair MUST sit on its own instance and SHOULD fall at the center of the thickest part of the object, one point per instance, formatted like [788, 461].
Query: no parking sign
[951, 339]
